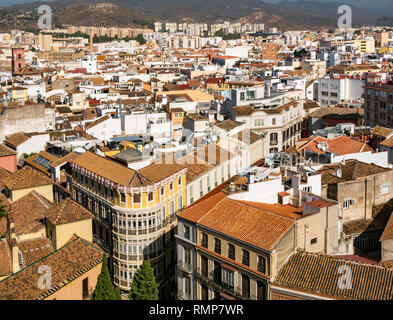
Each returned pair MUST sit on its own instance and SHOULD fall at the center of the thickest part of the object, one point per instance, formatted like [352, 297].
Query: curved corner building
[135, 212]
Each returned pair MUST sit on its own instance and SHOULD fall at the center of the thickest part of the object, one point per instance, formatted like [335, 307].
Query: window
[186, 232]
[384, 188]
[314, 240]
[208, 183]
[273, 138]
[245, 286]
[137, 198]
[261, 290]
[171, 186]
[179, 181]
[307, 189]
[228, 279]
[187, 286]
[217, 245]
[246, 257]
[150, 196]
[162, 191]
[273, 121]
[200, 188]
[187, 256]
[348, 202]
[172, 208]
[204, 240]
[261, 264]
[122, 198]
[191, 194]
[231, 251]
[179, 203]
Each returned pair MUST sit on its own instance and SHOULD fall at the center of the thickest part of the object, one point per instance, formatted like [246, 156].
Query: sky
[5, 3]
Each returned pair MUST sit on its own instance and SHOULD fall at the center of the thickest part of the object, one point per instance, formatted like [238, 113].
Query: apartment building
[135, 212]
[357, 186]
[269, 51]
[378, 106]
[282, 124]
[232, 243]
[339, 89]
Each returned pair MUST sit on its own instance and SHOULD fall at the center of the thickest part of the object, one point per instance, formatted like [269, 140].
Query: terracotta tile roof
[5, 258]
[198, 209]
[243, 110]
[196, 117]
[249, 137]
[123, 175]
[246, 222]
[319, 274]
[346, 145]
[69, 262]
[96, 122]
[353, 169]
[29, 221]
[63, 160]
[388, 142]
[381, 131]
[34, 249]
[4, 174]
[67, 211]
[388, 230]
[380, 217]
[324, 111]
[26, 177]
[228, 125]
[6, 151]
[320, 203]
[310, 104]
[341, 145]
[41, 161]
[288, 211]
[16, 139]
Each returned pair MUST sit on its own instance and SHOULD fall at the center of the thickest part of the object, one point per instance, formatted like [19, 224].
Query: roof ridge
[66, 245]
[333, 257]
[249, 203]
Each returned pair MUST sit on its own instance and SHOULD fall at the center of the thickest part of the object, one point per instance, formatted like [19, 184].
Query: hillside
[289, 15]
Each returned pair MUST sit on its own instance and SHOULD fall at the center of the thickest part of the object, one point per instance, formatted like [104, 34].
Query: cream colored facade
[133, 230]
[74, 289]
[46, 191]
[61, 234]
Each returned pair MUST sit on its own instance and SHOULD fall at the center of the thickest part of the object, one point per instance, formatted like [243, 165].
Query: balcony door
[204, 293]
[261, 290]
[217, 272]
[245, 286]
[204, 267]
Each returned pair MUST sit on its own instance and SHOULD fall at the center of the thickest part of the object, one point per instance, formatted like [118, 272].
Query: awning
[226, 296]
[227, 266]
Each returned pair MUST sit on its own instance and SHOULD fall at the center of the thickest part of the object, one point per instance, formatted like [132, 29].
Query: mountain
[287, 14]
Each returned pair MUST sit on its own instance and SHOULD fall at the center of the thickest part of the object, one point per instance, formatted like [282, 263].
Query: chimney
[14, 249]
[268, 89]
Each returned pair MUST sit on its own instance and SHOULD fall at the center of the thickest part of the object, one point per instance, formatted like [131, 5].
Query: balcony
[182, 295]
[184, 266]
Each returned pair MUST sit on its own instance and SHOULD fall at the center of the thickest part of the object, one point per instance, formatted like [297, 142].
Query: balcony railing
[185, 266]
[181, 295]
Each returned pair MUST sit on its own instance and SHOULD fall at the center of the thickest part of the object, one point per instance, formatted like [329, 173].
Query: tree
[3, 210]
[144, 285]
[140, 39]
[104, 289]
